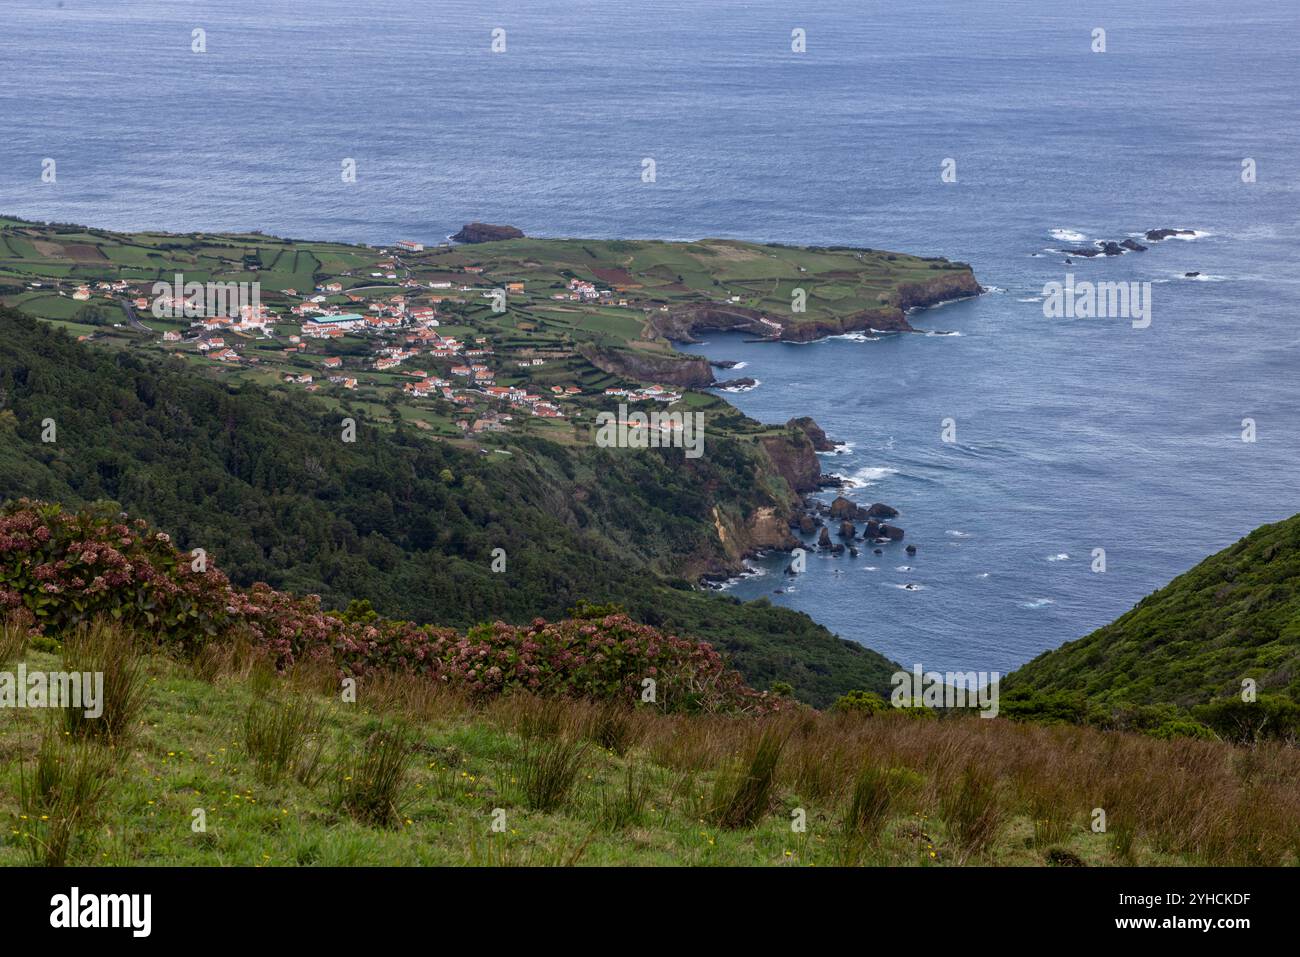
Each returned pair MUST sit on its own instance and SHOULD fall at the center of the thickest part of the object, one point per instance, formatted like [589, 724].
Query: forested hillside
[1235, 616]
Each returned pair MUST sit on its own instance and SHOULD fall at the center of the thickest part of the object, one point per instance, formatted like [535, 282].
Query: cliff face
[794, 459]
[810, 428]
[682, 324]
[741, 536]
[883, 319]
[786, 466]
[688, 372]
[943, 287]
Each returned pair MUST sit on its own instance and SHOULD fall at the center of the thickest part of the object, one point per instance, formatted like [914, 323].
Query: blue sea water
[1071, 435]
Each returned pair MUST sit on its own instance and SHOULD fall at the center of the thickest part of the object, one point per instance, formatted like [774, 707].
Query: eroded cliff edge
[685, 323]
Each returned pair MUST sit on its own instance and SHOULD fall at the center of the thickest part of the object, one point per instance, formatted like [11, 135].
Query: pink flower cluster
[64, 567]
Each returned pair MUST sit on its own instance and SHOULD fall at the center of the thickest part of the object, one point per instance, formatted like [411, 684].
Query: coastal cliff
[687, 372]
[793, 457]
[785, 466]
[684, 323]
[950, 285]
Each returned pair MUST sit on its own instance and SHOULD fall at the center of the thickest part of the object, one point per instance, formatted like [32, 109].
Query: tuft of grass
[1123, 838]
[13, 638]
[973, 812]
[877, 794]
[1052, 819]
[60, 796]
[612, 726]
[107, 648]
[625, 806]
[369, 786]
[546, 772]
[870, 803]
[742, 791]
[282, 736]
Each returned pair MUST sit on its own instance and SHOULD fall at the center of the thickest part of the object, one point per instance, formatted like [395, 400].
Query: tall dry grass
[106, 648]
[13, 638]
[61, 795]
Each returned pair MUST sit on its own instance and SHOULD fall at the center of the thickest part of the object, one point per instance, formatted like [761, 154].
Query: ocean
[1071, 434]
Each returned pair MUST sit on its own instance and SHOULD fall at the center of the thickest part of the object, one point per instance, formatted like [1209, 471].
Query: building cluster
[392, 327]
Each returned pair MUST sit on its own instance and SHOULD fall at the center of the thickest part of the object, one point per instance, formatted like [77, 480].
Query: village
[417, 343]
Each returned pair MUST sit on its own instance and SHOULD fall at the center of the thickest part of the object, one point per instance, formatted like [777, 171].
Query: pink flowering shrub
[59, 568]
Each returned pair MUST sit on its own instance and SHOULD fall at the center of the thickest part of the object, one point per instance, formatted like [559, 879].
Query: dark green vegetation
[262, 480]
[1190, 646]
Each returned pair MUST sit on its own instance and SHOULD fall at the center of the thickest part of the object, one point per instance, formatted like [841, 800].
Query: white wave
[982, 575]
[867, 476]
[932, 333]
[740, 365]
[1037, 603]
[750, 571]
[1204, 277]
[1059, 557]
[744, 388]
[1068, 235]
[903, 568]
[957, 534]
[871, 568]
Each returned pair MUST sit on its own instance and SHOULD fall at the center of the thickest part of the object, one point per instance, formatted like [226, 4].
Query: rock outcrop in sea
[486, 233]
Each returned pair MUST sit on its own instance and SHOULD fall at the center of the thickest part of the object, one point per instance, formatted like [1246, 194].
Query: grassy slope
[1235, 615]
[188, 751]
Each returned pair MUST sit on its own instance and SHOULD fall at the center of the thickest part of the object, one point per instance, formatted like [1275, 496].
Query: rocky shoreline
[840, 527]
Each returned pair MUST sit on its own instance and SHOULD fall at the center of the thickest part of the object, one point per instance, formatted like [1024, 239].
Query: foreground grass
[579, 783]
